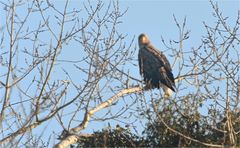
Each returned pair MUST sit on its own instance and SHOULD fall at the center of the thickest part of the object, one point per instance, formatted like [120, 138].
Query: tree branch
[72, 138]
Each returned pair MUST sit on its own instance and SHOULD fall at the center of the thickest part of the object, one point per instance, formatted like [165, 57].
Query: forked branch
[72, 138]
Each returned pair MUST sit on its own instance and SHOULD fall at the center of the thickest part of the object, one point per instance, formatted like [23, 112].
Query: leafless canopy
[61, 64]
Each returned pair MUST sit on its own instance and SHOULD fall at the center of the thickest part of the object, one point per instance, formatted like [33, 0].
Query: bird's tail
[167, 91]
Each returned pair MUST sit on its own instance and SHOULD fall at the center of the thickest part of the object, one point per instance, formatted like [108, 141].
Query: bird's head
[143, 40]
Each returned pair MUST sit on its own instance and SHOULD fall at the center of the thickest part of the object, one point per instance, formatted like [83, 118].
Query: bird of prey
[154, 67]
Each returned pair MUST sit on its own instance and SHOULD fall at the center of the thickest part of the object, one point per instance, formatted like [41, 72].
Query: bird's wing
[161, 56]
[168, 68]
[165, 67]
[167, 78]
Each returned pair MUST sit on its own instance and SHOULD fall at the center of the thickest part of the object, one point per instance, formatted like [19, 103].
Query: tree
[117, 137]
[194, 126]
[39, 85]
[157, 135]
[37, 80]
[212, 78]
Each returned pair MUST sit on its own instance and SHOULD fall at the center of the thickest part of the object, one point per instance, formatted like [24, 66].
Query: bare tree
[37, 80]
[42, 84]
[209, 80]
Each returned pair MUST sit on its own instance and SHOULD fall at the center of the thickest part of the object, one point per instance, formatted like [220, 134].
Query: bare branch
[72, 138]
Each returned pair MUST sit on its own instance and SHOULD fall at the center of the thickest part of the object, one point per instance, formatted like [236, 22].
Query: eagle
[154, 67]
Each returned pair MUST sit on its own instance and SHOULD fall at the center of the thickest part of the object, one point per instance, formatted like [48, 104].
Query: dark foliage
[157, 135]
[118, 137]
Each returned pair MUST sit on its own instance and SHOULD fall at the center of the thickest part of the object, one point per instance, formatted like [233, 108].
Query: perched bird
[154, 67]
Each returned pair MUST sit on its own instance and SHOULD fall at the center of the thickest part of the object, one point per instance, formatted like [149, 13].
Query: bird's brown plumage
[154, 66]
